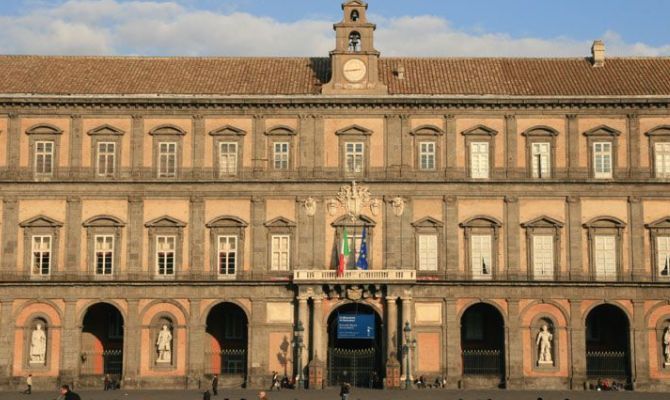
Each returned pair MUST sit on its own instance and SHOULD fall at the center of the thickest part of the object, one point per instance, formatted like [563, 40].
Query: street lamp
[298, 344]
[410, 345]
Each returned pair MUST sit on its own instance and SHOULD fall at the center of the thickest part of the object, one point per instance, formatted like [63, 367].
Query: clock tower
[354, 62]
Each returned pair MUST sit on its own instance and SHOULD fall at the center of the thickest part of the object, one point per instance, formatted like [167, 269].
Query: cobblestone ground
[358, 394]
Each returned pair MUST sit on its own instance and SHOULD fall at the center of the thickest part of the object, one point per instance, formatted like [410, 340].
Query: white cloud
[167, 28]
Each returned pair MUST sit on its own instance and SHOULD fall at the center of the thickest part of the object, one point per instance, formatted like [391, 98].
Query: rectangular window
[663, 251]
[281, 155]
[602, 159]
[479, 160]
[354, 157]
[41, 264]
[480, 253]
[427, 155]
[44, 157]
[662, 157]
[605, 257]
[428, 252]
[167, 159]
[104, 254]
[227, 255]
[541, 160]
[227, 159]
[280, 252]
[165, 254]
[106, 159]
[543, 257]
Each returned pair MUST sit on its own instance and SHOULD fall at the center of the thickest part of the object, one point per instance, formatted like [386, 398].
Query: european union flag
[362, 262]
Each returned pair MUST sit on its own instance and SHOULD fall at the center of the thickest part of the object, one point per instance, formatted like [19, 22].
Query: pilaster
[407, 236]
[134, 263]
[137, 146]
[578, 346]
[319, 145]
[575, 171]
[512, 227]
[6, 340]
[197, 237]
[636, 218]
[258, 236]
[70, 343]
[306, 145]
[452, 171]
[393, 236]
[76, 132]
[258, 156]
[575, 265]
[634, 143]
[639, 346]
[198, 129]
[305, 235]
[132, 346]
[514, 360]
[13, 139]
[10, 233]
[453, 344]
[451, 233]
[196, 345]
[73, 236]
[406, 165]
[511, 138]
[319, 239]
[393, 144]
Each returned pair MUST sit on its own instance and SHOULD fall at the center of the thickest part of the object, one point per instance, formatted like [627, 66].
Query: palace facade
[516, 216]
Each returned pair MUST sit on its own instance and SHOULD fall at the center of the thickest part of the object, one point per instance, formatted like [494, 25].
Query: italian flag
[344, 254]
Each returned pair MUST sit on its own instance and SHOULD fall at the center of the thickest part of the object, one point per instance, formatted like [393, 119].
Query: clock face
[354, 70]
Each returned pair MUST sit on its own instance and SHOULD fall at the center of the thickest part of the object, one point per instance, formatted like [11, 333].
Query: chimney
[598, 53]
[400, 71]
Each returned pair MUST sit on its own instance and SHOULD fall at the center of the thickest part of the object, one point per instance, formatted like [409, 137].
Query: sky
[422, 28]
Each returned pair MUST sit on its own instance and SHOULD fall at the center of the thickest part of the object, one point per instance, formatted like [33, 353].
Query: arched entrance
[102, 343]
[607, 343]
[483, 342]
[226, 344]
[354, 346]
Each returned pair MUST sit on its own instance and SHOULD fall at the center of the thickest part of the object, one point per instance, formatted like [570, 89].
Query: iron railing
[102, 362]
[354, 366]
[483, 362]
[226, 362]
[607, 364]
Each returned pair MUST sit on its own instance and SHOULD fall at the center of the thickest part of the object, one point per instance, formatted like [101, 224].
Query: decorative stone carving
[353, 198]
[398, 204]
[543, 341]
[38, 346]
[164, 346]
[354, 293]
[375, 207]
[331, 206]
[310, 206]
[666, 346]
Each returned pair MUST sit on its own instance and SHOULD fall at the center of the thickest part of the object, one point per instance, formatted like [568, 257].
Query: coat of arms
[353, 198]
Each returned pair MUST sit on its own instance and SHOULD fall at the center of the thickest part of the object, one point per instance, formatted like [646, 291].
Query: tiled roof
[304, 76]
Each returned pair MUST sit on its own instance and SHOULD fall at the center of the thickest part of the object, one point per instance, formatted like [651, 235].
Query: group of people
[606, 386]
[283, 383]
[422, 383]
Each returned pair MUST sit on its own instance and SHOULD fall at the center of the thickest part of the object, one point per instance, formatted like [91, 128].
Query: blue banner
[356, 326]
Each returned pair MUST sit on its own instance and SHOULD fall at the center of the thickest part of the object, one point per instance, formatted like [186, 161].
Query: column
[70, 347]
[76, 131]
[451, 232]
[578, 346]
[392, 328]
[637, 231]
[512, 249]
[514, 356]
[406, 146]
[134, 261]
[258, 236]
[137, 146]
[453, 344]
[197, 237]
[196, 345]
[407, 317]
[132, 345]
[258, 140]
[73, 211]
[510, 147]
[393, 144]
[10, 232]
[199, 134]
[575, 238]
[13, 138]
[451, 171]
[303, 317]
[639, 346]
[317, 329]
[6, 335]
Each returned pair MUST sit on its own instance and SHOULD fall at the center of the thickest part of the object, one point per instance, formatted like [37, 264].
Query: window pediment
[107, 130]
[227, 222]
[353, 3]
[427, 130]
[345, 220]
[543, 222]
[481, 221]
[661, 130]
[44, 129]
[602, 131]
[480, 130]
[167, 129]
[355, 130]
[103, 221]
[228, 130]
[605, 222]
[280, 222]
[281, 130]
[165, 222]
[540, 131]
[428, 223]
[41, 221]
[663, 223]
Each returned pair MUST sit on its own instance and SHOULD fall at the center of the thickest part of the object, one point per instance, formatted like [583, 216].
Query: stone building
[167, 219]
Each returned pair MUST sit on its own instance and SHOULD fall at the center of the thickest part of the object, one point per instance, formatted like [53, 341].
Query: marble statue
[164, 345]
[666, 346]
[544, 338]
[38, 346]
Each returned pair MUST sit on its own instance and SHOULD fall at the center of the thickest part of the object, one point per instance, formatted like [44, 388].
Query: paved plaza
[358, 394]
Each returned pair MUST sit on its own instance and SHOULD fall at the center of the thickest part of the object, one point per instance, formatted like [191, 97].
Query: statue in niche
[666, 346]
[38, 345]
[543, 341]
[164, 345]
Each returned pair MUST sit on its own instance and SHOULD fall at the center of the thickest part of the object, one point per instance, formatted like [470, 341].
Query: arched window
[354, 41]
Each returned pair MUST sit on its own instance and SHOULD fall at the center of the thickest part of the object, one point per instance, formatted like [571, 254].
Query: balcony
[358, 276]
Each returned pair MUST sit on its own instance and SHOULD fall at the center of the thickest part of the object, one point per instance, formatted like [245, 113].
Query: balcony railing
[387, 275]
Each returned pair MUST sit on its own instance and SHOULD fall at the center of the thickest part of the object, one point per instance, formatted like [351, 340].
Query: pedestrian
[275, 381]
[215, 385]
[29, 384]
[263, 396]
[68, 394]
[206, 395]
[345, 390]
[107, 382]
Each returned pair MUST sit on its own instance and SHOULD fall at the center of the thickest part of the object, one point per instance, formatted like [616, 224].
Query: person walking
[29, 384]
[215, 385]
[206, 395]
[107, 382]
[275, 381]
[345, 391]
[68, 394]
